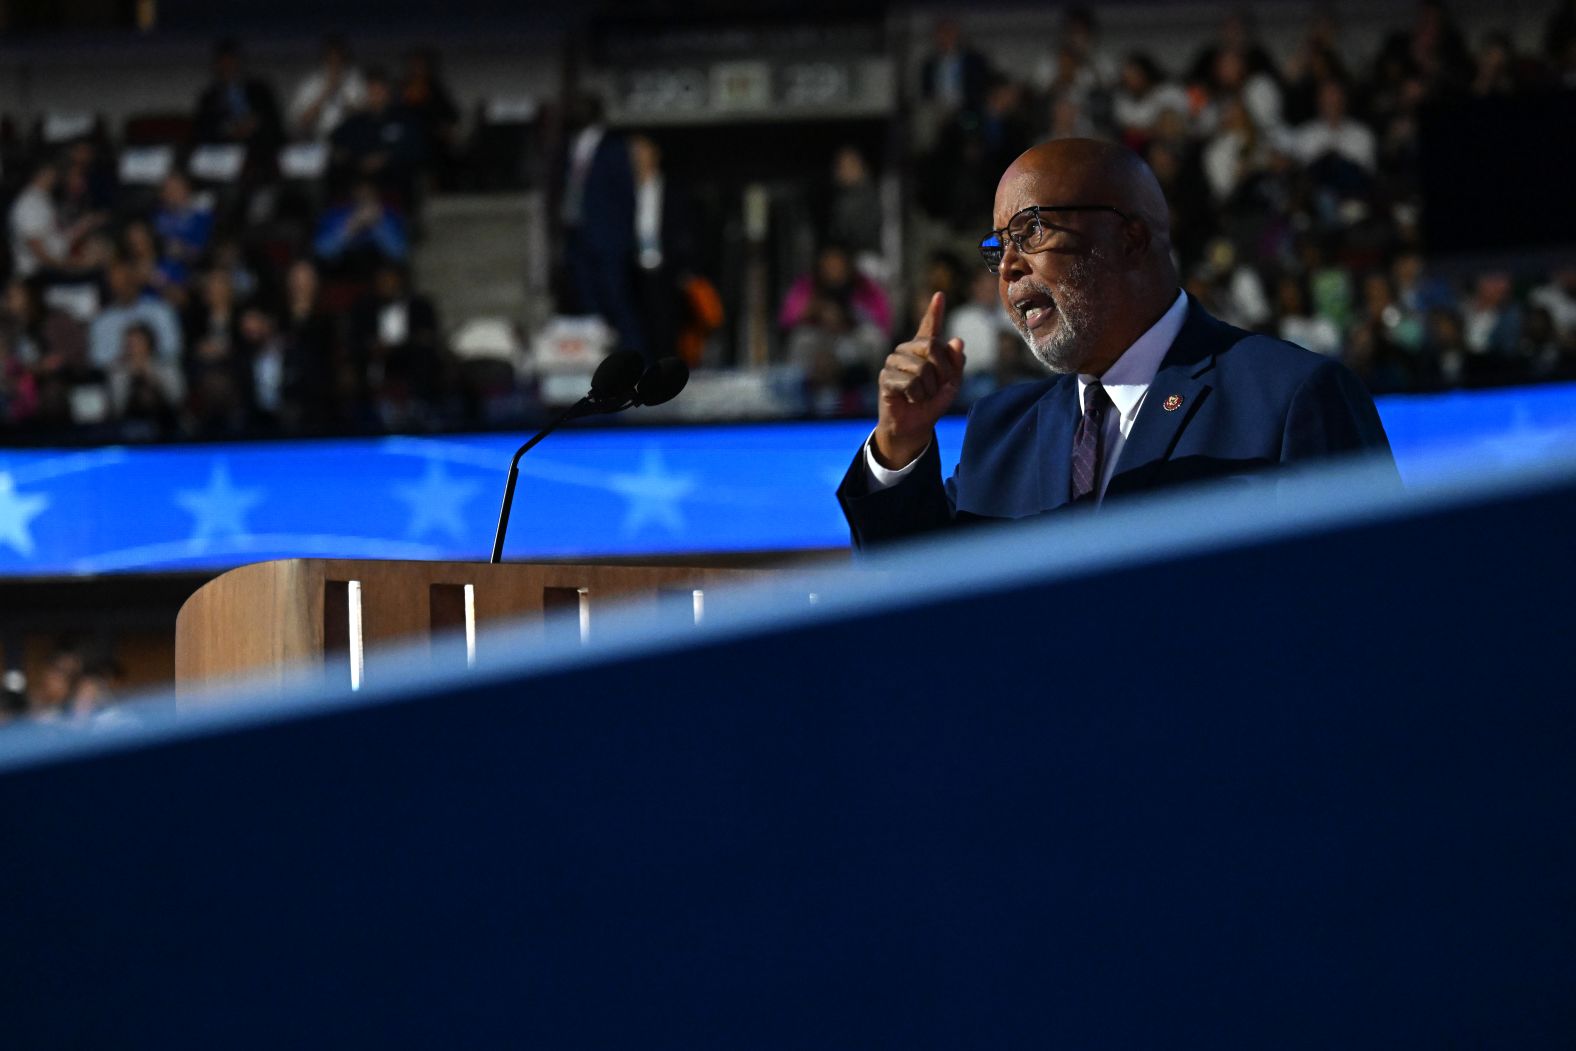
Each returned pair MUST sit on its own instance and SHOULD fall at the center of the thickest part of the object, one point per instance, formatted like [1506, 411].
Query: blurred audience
[211, 307]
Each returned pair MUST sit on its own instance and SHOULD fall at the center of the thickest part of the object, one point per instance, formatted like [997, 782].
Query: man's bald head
[1088, 171]
[1100, 279]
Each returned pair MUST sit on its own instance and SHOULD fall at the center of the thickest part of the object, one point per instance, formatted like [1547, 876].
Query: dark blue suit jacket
[607, 209]
[1225, 402]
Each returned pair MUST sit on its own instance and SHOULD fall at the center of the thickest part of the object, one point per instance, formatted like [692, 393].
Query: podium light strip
[470, 625]
[700, 605]
[353, 603]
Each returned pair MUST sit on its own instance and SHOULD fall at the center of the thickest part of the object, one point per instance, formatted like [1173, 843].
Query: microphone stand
[584, 406]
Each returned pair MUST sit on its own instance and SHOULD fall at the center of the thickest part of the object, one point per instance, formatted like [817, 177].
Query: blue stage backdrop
[603, 491]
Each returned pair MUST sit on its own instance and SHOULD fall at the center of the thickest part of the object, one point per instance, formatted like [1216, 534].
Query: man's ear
[1136, 238]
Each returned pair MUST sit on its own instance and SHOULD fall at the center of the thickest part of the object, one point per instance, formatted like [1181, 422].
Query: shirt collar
[1129, 378]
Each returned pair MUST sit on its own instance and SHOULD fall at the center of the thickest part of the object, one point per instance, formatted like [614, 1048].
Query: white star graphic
[437, 502]
[653, 494]
[16, 514]
[221, 508]
[1525, 441]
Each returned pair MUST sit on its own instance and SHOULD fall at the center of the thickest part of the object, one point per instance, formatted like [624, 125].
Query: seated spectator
[1078, 69]
[1333, 133]
[92, 700]
[395, 339]
[263, 346]
[1382, 366]
[425, 97]
[1540, 347]
[380, 142]
[235, 108]
[1445, 346]
[1237, 151]
[1231, 79]
[57, 682]
[1381, 309]
[129, 305]
[837, 356]
[139, 247]
[1237, 39]
[247, 278]
[307, 358]
[328, 95]
[1231, 290]
[184, 227]
[218, 370]
[1415, 291]
[41, 245]
[834, 276]
[22, 313]
[354, 237]
[1558, 297]
[18, 389]
[1142, 95]
[44, 339]
[1300, 325]
[145, 389]
[979, 322]
[88, 185]
[1491, 319]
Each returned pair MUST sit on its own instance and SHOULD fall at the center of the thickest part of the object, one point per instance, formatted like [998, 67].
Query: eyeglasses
[1029, 233]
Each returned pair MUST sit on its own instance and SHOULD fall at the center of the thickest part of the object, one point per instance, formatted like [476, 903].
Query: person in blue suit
[598, 215]
[1148, 389]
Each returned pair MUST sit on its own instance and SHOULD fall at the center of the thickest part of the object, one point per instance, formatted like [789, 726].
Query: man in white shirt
[328, 95]
[1334, 132]
[1149, 390]
[38, 242]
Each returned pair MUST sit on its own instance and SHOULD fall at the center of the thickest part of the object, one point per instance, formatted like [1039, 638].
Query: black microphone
[613, 388]
[661, 382]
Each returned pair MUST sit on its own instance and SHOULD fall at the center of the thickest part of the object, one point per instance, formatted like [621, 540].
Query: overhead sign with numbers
[754, 89]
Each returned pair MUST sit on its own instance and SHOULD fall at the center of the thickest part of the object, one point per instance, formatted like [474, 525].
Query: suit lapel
[1179, 388]
[1055, 423]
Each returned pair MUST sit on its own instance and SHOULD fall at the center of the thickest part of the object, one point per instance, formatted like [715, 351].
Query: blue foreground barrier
[1228, 769]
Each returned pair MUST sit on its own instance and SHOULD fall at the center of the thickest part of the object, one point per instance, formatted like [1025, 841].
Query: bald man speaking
[1148, 389]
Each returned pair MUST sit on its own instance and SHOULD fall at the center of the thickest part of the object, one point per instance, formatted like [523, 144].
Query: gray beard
[1065, 349]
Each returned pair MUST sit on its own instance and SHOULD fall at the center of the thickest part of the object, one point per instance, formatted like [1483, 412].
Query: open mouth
[1034, 307]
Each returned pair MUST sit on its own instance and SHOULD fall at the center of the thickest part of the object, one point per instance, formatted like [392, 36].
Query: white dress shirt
[1126, 383]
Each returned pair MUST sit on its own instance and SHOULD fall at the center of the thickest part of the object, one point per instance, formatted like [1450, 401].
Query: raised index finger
[931, 322]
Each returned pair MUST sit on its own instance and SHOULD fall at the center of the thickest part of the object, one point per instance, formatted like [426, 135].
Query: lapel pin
[1173, 402]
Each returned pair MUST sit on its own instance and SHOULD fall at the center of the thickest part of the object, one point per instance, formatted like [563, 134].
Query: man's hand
[918, 384]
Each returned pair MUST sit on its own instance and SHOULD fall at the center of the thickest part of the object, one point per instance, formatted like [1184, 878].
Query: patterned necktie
[1087, 442]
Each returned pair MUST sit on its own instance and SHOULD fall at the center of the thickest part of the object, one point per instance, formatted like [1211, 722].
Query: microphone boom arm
[514, 474]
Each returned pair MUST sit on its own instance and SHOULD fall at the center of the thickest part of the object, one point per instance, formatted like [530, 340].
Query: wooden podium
[270, 620]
